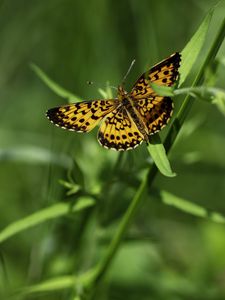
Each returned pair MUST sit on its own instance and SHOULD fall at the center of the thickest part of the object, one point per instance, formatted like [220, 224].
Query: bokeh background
[167, 254]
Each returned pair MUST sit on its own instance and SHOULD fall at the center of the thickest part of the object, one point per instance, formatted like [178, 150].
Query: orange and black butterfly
[129, 119]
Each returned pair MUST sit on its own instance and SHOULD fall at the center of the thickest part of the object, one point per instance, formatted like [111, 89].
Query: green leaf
[103, 93]
[52, 285]
[162, 90]
[56, 88]
[219, 99]
[210, 94]
[158, 154]
[46, 214]
[190, 208]
[191, 51]
[72, 187]
[211, 73]
[217, 217]
[30, 154]
[62, 282]
[109, 90]
[107, 93]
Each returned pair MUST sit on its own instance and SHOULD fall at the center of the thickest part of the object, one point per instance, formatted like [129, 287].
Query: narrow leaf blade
[55, 87]
[193, 47]
[190, 207]
[158, 154]
[46, 214]
[162, 90]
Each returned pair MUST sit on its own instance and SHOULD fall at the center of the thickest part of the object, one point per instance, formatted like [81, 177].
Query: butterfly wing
[155, 112]
[119, 132]
[81, 116]
[164, 73]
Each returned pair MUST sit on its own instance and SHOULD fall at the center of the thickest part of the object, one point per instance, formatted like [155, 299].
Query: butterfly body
[128, 105]
[129, 119]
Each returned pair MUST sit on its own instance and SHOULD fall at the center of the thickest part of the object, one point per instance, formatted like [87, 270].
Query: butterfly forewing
[81, 116]
[118, 131]
[164, 73]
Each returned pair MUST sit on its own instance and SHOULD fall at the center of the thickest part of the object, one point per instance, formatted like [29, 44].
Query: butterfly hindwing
[81, 116]
[164, 73]
[118, 131]
[155, 112]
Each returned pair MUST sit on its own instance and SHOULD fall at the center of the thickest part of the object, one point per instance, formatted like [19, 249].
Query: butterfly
[129, 119]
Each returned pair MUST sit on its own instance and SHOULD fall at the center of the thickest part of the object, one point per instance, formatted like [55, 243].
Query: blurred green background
[167, 254]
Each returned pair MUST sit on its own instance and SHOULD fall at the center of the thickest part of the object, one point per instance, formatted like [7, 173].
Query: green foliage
[102, 224]
[60, 91]
[191, 208]
[191, 51]
[158, 154]
[55, 211]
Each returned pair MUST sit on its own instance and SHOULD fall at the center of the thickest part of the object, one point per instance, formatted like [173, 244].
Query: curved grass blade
[190, 208]
[55, 87]
[46, 214]
[52, 285]
[61, 283]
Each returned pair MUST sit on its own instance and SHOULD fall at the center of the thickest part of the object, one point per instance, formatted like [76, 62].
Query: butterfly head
[121, 93]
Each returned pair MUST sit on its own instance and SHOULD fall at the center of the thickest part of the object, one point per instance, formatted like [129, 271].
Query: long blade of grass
[61, 283]
[46, 214]
[190, 207]
[55, 87]
[193, 47]
[51, 285]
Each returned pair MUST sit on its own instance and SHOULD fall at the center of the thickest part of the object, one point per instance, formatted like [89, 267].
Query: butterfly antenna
[99, 85]
[128, 71]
